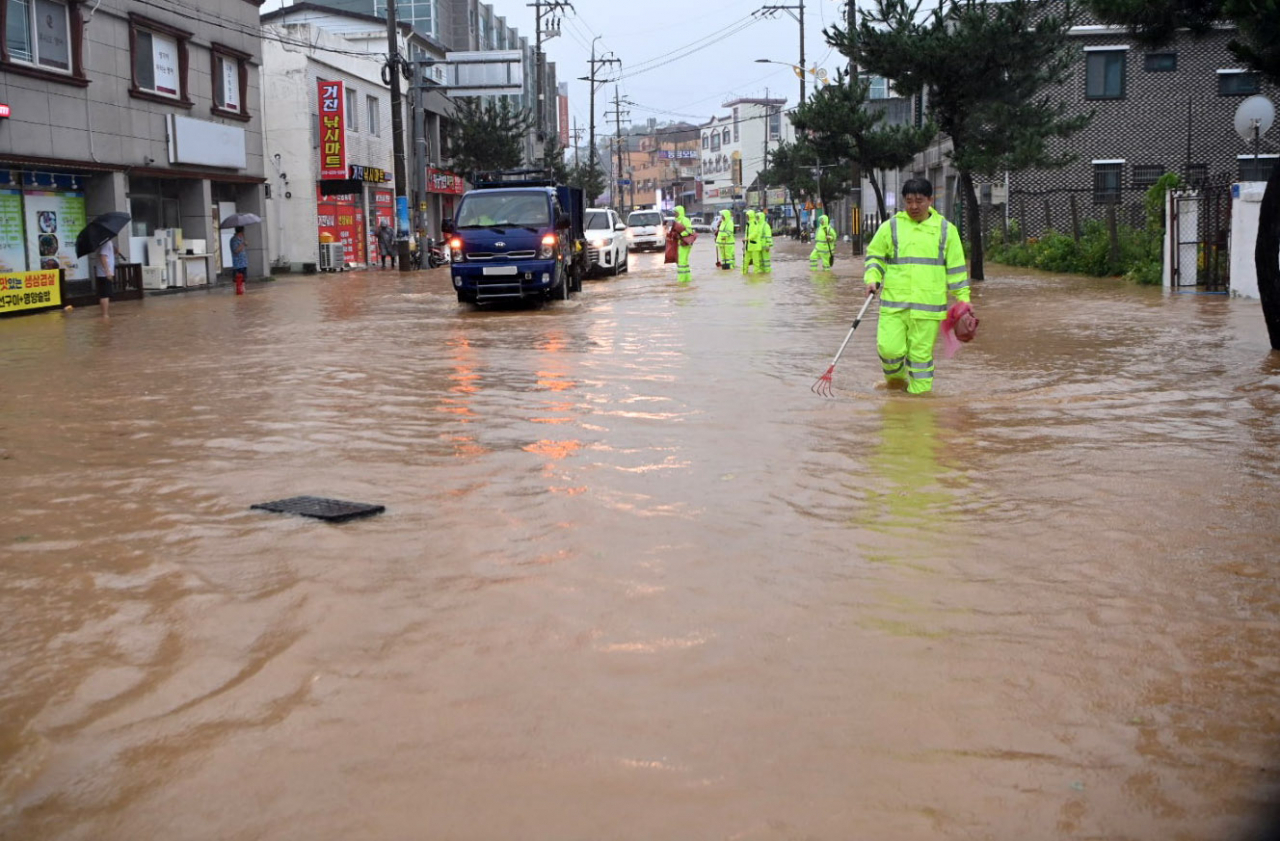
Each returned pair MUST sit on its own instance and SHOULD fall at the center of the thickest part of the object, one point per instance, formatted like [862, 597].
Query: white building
[734, 148]
[307, 49]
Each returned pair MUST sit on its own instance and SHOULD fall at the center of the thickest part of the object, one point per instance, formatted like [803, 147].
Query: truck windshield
[598, 220]
[482, 209]
[637, 219]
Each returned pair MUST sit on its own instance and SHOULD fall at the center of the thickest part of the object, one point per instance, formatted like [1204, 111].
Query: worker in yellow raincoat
[686, 238]
[724, 239]
[824, 245]
[753, 243]
[918, 257]
[766, 243]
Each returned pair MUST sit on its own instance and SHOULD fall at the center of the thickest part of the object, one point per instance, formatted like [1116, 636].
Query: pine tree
[839, 123]
[485, 136]
[986, 69]
[1257, 44]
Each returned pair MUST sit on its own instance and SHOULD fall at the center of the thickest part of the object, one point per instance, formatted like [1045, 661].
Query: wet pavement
[634, 580]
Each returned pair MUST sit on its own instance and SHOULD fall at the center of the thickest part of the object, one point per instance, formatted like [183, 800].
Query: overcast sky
[680, 58]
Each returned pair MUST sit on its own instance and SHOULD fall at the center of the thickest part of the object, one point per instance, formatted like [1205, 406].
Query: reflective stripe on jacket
[725, 235]
[918, 263]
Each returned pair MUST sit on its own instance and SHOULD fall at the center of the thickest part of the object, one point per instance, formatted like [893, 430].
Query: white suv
[606, 240]
[646, 230]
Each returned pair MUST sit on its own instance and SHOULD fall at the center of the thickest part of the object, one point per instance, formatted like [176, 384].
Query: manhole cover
[332, 510]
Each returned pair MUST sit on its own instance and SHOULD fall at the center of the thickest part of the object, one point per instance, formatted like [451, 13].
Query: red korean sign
[333, 135]
[439, 181]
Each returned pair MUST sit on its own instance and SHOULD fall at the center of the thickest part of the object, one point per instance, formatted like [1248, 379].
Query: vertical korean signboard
[333, 137]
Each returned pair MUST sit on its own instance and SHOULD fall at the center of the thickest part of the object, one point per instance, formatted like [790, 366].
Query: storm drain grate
[331, 510]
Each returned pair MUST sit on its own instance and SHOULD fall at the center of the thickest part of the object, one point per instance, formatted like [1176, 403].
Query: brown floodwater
[634, 580]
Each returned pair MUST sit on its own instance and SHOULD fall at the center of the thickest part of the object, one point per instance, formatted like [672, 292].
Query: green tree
[553, 160]
[837, 121]
[988, 68]
[790, 165]
[486, 136]
[1257, 44]
[590, 177]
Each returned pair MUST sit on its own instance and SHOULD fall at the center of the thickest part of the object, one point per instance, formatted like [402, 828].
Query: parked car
[646, 230]
[606, 241]
[701, 227]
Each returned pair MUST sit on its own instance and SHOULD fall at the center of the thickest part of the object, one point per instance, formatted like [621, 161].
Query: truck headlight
[455, 250]
[548, 249]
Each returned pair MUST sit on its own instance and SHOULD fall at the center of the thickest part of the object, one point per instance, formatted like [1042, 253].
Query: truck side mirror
[562, 222]
[446, 226]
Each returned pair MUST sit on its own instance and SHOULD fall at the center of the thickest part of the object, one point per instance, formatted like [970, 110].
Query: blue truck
[517, 236]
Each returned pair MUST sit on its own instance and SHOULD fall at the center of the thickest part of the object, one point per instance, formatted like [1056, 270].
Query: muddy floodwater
[634, 580]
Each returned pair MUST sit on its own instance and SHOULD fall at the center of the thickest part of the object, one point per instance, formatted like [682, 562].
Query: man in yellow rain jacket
[683, 272]
[918, 257]
[753, 242]
[724, 239]
[766, 243]
[824, 245]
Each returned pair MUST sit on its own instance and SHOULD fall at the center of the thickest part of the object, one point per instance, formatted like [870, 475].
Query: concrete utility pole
[541, 9]
[855, 233]
[393, 69]
[577, 141]
[617, 113]
[596, 63]
[768, 121]
[791, 10]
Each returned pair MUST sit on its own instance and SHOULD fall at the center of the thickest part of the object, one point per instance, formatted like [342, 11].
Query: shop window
[1104, 74]
[1106, 181]
[43, 38]
[353, 124]
[1237, 83]
[230, 82]
[159, 61]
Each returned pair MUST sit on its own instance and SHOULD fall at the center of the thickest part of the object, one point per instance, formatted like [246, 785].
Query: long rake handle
[856, 321]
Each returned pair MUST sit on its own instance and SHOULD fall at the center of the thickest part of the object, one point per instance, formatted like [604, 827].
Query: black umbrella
[101, 229]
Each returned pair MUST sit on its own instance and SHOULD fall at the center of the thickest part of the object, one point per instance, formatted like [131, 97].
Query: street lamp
[818, 73]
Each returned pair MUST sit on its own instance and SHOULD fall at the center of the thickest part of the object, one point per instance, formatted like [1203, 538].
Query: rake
[822, 385]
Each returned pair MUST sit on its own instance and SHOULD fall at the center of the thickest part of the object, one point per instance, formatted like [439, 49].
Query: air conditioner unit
[153, 277]
[332, 258]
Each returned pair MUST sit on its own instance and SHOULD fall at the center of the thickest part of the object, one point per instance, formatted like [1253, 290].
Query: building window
[1106, 181]
[38, 32]
[159, 61]
[775, 125]
[706, 141]
[371, 106]
[230, 82]
[1104, 74]
[1256, 168]
[1237, 83]
[353, 124]
[715, 141]
[879, 87]
[735, 124]
[1197, 174]
[1144, 175]
[1160, 62]
[725, 137]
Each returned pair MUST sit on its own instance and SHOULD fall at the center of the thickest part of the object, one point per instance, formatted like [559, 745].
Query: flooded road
[634, 580]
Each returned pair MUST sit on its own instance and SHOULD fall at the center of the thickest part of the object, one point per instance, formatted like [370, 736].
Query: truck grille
[501, 255]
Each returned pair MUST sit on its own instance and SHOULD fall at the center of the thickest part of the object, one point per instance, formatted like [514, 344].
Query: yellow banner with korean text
[29, 291]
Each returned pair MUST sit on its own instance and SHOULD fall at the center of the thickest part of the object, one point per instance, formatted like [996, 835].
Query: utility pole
[770, 11]
[768, 121]
[393, 69]
[596, 64]
[541, 9]
[617, 112]
[577, 141]
[855, 232]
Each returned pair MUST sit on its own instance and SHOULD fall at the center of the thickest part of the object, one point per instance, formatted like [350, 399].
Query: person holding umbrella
[98, 238]
[239, 247]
